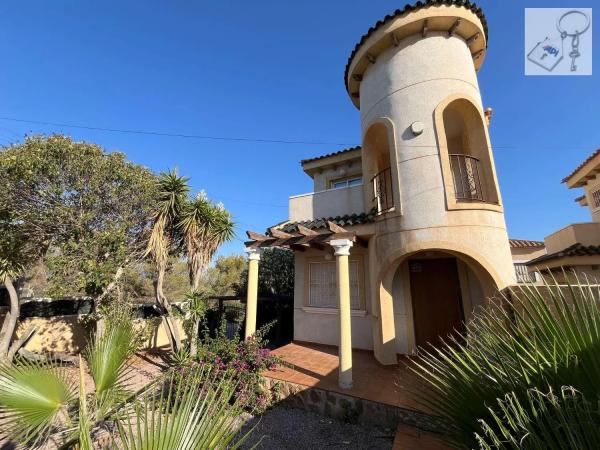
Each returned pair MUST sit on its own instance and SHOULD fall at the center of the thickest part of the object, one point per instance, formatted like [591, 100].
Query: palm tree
[205, 226]
[40, 401]
[165, 241]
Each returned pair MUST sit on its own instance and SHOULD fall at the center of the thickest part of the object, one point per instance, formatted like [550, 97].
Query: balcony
[586, 234]
[466, 174]
[383, 195]
[329, 203]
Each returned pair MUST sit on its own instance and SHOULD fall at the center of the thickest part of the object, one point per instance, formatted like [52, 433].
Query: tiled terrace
[315, 365]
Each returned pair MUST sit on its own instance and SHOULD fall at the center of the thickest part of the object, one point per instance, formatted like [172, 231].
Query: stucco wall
[405, 85]
[526, 254]
[322, 325]
[329, 203]
[576, 233]
[66, 334]
[591, 187]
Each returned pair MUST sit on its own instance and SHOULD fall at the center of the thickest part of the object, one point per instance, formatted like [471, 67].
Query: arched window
[468, 153]
[377, 168]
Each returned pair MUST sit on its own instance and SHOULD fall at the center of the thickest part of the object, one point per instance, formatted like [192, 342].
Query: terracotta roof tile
[573, 250]
[347, 220]
[408, 9]
[580, 166]
[316, 158]
[522, 243]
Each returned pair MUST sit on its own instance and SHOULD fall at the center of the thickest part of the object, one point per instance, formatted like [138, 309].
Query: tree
[83, 210]
[224, 278]
[205, 226]
[165, 240]
[275, 274]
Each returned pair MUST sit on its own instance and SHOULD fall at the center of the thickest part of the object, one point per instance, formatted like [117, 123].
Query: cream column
[252, 294]
[342, 251]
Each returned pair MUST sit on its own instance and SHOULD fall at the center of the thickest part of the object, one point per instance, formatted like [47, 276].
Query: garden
[76, 220]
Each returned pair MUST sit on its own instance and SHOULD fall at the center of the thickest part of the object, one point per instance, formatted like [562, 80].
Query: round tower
[427, 153]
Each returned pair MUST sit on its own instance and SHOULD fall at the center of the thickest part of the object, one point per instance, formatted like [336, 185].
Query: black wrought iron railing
[467, 176]
[383, 196]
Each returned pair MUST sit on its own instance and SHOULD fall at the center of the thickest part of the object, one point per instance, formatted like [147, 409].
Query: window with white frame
[322, 285]
[346, 182]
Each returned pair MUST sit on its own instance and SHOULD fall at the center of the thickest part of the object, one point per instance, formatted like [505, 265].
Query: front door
[436, 299]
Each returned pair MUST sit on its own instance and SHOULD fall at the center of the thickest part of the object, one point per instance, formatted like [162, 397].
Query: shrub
[543, 338]
[248, 359]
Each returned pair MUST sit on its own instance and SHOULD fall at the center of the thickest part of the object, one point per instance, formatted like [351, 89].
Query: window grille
[323, 285]
[523, 275]
[596, 198]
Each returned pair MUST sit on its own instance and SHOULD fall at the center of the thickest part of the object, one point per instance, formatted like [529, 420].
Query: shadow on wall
[63, 334]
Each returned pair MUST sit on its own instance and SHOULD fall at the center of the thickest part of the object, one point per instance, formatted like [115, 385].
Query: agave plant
[544, 337]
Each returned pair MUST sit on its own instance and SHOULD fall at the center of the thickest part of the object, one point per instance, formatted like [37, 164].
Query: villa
[404, 235]
[576, 247]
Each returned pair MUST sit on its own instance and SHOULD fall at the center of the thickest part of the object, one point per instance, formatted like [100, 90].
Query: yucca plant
[165, 240]
[530, 337]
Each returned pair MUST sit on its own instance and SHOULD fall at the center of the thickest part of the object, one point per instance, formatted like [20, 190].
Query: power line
[164, 134]
[263, 140]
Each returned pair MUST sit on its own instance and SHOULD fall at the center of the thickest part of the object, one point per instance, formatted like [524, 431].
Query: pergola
[336, 237]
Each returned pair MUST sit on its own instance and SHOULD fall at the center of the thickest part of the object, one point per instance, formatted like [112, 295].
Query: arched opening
[434, 293]
[377, 168]
[469, 153]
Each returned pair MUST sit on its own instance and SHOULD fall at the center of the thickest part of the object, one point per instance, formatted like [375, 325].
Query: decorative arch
[488, 277]
[466, 155]
[380, 166]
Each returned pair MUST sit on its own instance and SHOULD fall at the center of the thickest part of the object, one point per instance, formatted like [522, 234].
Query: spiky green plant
[543, 421]
[531, 337]
[195, 412]
[205, 226]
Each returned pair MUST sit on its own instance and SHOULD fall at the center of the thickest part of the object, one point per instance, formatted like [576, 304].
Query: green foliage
[224, 278]
[34, 399]
[83, 208]
[535, 337]
[543, 422]
[108, 356]
[275, 274]
[248, 359]
[196, 412]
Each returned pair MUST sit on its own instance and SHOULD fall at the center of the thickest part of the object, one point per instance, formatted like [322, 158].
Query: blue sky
[271, 69]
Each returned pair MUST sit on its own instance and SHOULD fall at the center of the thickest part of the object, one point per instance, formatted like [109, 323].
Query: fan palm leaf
[195, 412]
[34, 400]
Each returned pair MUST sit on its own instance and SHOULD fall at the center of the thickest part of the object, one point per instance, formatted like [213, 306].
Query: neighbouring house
[405, 234]
[523, 251]
[576, 247]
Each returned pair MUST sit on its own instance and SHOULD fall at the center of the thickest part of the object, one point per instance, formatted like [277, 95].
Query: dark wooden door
[436, 299]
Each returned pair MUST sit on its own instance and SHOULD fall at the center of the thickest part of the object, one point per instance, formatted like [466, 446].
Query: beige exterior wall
[322, 325]
[592, 186]
[329, 203]
[576, 233]
[407, 84]
[520, 254]
[66, 334]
